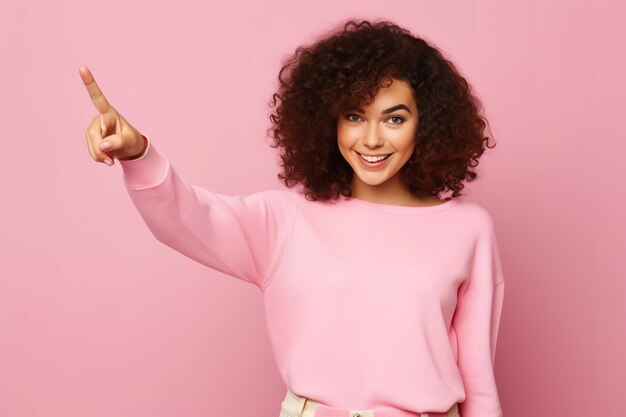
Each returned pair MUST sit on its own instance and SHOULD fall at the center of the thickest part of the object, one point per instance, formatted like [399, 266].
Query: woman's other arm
[476, 323]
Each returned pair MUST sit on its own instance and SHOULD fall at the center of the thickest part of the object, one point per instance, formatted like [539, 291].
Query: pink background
[97, 318]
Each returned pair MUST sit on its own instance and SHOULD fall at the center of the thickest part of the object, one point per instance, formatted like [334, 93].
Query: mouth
[373, 162]
[373, 157]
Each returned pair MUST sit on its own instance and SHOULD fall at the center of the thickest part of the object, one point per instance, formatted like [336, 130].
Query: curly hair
[345, 69]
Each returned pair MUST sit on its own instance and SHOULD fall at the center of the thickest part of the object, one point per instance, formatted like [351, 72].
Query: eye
[347, 117]
[397, 117]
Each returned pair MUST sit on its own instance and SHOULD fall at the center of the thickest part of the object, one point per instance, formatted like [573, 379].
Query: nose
[373, 139]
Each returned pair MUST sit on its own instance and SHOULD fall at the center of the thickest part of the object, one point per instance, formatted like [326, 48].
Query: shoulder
[476, 217]
[273, 202]
[271, 195]
[283, 200]
[474, 211]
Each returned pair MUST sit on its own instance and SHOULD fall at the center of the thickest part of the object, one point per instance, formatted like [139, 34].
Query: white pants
[298, 406]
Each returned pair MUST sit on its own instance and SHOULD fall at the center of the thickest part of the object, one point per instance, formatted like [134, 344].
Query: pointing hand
[108, 126]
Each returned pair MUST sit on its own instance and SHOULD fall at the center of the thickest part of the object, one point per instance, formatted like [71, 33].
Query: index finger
[98, 99]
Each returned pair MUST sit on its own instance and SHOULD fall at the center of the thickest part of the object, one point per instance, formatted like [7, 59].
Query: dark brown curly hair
[345, 69]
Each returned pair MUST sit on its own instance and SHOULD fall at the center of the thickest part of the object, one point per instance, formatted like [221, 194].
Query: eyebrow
[389, 110]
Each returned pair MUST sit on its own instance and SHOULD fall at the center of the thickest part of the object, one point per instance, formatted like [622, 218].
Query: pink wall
[98, 318]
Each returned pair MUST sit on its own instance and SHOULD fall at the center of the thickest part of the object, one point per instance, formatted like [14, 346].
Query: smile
[374, 158]
[373, 162]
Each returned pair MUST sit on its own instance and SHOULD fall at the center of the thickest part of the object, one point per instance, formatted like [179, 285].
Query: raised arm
[242, 236]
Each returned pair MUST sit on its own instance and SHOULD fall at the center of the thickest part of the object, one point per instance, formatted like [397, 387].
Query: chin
[373, 180]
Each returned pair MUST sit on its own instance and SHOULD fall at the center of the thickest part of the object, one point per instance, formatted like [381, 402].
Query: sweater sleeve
[476, 323]
[240, 235]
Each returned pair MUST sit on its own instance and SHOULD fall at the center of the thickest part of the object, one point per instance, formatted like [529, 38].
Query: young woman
[381, 298]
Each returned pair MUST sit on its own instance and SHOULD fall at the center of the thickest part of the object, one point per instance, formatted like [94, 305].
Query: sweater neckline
[397, 209]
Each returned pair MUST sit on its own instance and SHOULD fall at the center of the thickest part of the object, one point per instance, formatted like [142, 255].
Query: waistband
[299, 406]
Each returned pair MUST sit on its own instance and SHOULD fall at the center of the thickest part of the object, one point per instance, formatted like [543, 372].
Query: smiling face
[387, 127]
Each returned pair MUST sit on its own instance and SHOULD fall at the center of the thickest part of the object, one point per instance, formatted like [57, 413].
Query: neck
[391, 192]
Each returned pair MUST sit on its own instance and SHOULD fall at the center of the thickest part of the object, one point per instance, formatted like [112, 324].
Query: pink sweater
[368, 305]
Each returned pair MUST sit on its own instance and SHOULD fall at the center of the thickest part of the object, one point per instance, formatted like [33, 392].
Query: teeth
[373, 158]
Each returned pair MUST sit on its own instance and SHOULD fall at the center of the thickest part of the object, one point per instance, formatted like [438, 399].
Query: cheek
[343, 149]
[344, 141]
[406, 151]
[408, 144]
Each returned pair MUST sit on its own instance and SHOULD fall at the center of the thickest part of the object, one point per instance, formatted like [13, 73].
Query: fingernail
[105, 145]
[108, 162]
